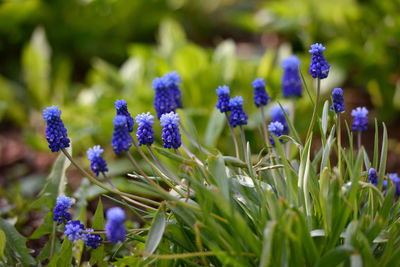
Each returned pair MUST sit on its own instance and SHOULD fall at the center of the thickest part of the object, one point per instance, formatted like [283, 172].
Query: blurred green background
[82, 55]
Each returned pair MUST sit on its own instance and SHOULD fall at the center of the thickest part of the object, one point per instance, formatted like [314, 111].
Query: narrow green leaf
[325, 117]
[268, 240]
[335, 256]
[382, 163]
[376, 145]
[16, 243]
[98, 223]
[64, 257]
[216, 167]
[156, 232]
[2, 244]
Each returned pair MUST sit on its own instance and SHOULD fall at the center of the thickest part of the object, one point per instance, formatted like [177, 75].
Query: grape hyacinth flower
[122, 109]
[396, 182]
[278, 115]
[338, 100]
[145, 133]
[172, 80]
[319, 67]
[360, 122]
[373, 177]
[164, 102]
[261, 97]
[97, 163]
[171, 135]
[61, 214]
[223, 98]
[238, 116]
[56, 133]
[121, 138]
[275, 128]
[291, 80]
[115, 228]
[74, 230]
[91, 240]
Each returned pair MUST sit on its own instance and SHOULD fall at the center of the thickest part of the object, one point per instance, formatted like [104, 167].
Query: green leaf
[217, 169]
[225, 57]
[156, 232]
[325, 117]
[64, 257]
[98, 223]
[56, 181]
[214, 128]
[45, 228]
[335, 256]
[2, 244]
[382, 163]
[16, 243]
[267, 249]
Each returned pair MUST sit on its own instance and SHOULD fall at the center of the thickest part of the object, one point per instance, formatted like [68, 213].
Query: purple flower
[56, 133]
[372, 176]
[238, 116]
[223, 98]
[278, 115]
[74, 230]
[319, 67]
[172, 80]
[91, 240]
[261, 97]
[164, 101]
[275, 128]
[61, 214]
[360, 121]
[396, 182]
[115, 228]
[291, 80]
[97, 163]
[171, 135]
[145, 133]
[338, 100]
[122, 109]
[121, 138]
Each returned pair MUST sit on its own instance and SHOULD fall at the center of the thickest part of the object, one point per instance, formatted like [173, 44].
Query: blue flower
[238, 116]
[121, 138]
[164, 101]
[145, 133]
[97, 163]
[91, 240]
[275, 128]
[338, 100]
[261, 97]
[223, 98]
[74, 230]
[122, 109]
[56, 133]
[61, 214]
[372, 176]
[278, 115]
[319, 67]
[360, 122]
[172, 80]
[115, 228]
[291, 80]
[171, 135]
[396, 182]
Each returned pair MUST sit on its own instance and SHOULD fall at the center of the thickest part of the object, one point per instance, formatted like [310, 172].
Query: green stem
[53, 240]
[243, 137]
[359, 140]
[315, 108]
[339, 144]
[233, 136]
[99, 184]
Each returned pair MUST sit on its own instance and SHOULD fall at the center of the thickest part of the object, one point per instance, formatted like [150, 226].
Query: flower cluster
[121, 138]
[360, 122]
[396, 182]
[115, 228]
[372, 176]
[122, 109]
[275, 128]
[319, 67]
[278, 115]
[338, 100]
[91, 239]
[145, 133]
[291, 80]
[168, 95]
[238, 116]
[223, 98]
[56, 133]
[97, 163]
[74, 230]
[261, 97]
[171, 135]
[61, 214]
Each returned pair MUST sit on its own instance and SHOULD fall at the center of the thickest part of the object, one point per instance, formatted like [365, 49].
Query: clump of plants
[273, 207]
